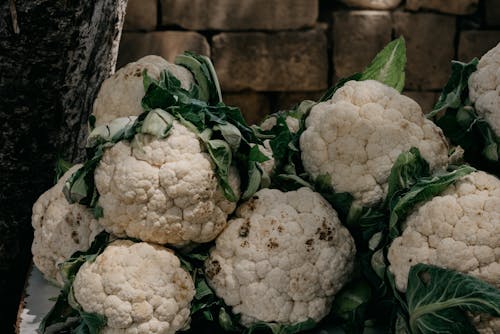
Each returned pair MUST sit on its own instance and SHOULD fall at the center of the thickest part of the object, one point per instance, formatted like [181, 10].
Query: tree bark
[54, 55]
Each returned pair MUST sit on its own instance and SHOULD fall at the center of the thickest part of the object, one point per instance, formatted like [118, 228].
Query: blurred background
[271, 54]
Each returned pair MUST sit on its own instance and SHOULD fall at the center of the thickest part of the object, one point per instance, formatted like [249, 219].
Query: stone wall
[271, 54]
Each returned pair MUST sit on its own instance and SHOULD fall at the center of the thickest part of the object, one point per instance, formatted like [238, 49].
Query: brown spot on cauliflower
[162, 190]
[282, 270]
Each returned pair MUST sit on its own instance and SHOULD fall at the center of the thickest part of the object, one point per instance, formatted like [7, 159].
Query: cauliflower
[457, 230]
[484, 88]
[268, 165]
[282, 259]
[162, 190]
[121, 94]
[357, 136]
[60, 229]
[139, 287]
[292, 122]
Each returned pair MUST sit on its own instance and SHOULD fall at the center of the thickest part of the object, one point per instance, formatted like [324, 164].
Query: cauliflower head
[282, 258]
[357, 136]
[162, 190]
[484, 88]
[139, 287]
[456, 230]
[60, 229]
[270, 122]
[120, 95]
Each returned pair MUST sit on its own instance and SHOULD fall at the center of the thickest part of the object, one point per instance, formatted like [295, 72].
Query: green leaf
[254, 180]
[59, 313]
[378, 263]
[282, 329]
[231, 135]
[423, 190]
[256, 155]
[351, 297]
[456, 88]
[157, 123]
[438, 298]
[195, 67]
[62, 166]
[408, 168]
[226, 321]
[221, 155]
[388, 66]
[204, 73]
[91, 323]
[76, 188]
[341, 202]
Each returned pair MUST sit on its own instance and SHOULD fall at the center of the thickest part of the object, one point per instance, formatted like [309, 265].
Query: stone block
[430, 48]
[167, 44]
[239, 15]
[357, 37]
[492, 11]
[284, 61]
[456, 7]
[141, 15]
[254, 106]
[475, 43]
[372, 4]
[287, 100]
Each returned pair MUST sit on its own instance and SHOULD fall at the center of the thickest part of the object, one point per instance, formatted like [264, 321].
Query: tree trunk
[54, 54]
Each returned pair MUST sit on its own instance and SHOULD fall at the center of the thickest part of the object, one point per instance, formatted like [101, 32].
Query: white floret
[282, 258]
[60, 229]
[456, 230]
[120, 95]
[484, 88]
[163, 190]
[357, 136]
[140, 288]
[270, 122]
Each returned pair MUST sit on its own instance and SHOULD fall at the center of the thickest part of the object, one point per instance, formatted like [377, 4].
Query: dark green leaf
[254, 180]
[62, 166]
[59, 313]
[226, 321]
[437, 299]
[340, 201]
[204, 73]
[220, 152]
[453, 93]
[231, 135]
[256, 155]
[91, 323]
[282, 329]
[351, 297]
[195, 67]
[408, 168]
